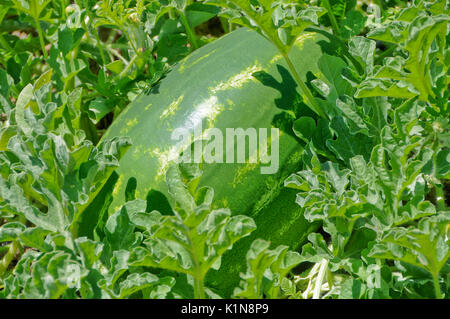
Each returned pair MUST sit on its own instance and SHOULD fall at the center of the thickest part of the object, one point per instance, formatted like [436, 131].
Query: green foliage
[47, 162]
[421, 34]
[379, 195]
[281, 22]
[114, 50]
[195, 238]
[81, 267]
[119, 262]
[371, 156]
[266, 270]
[424, 247]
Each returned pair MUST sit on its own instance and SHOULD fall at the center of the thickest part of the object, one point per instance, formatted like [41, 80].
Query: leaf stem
[333, 21]
[128, 67]
[100, 45]
[63, 8]
[190, 33]
[380, 5]
[226, 25]
[439, 186]
[41, 37]
[130, 40]
[117, 55]
[440, 197]
[320, 277]
[94, 31]
[437, 288]
[199, 290]
[12, 251]
[384, 54]
[5, 43]
[313, 103]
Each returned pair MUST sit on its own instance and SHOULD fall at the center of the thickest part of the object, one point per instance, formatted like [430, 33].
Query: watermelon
[237, 81]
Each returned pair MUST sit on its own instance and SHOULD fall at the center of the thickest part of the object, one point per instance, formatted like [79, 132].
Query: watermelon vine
[224, 149]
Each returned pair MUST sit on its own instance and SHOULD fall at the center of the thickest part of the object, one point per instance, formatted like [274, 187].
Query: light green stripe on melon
[183, 66]
[238, 80]
[216, 85]
[171, 109]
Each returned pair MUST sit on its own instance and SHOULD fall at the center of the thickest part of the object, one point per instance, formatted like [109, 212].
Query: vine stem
[313, 103]
[190, 33]
[437, 287]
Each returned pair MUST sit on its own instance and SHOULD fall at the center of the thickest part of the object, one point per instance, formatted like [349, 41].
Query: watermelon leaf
[192, 240]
